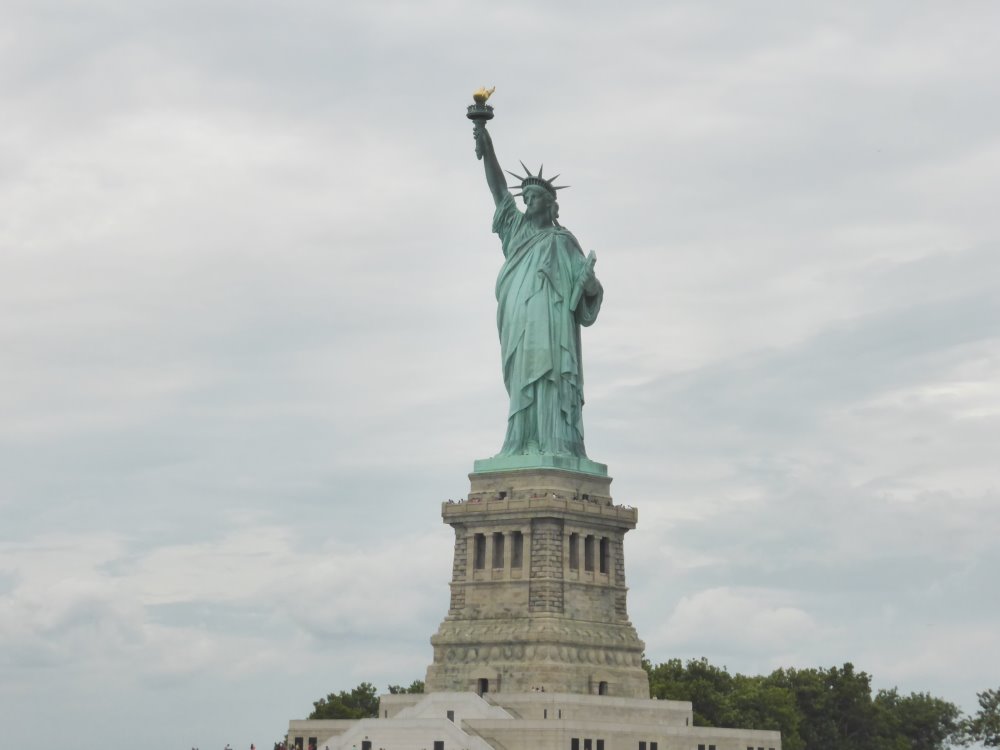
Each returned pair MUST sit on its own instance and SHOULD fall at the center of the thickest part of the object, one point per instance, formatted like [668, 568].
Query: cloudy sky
[247, 339]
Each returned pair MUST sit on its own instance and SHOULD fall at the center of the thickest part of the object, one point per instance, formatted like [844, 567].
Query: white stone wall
[531, 721]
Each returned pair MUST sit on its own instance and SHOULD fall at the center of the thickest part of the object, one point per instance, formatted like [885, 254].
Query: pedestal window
[498, 549]
[479, 551]
[516, 549]
[574, 551]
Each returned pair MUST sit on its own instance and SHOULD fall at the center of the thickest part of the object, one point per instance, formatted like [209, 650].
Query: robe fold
[540, 308]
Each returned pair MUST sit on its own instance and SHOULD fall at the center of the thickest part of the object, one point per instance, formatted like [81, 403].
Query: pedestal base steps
[527, 721]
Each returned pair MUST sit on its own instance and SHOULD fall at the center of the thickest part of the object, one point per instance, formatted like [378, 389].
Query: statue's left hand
[591, 285]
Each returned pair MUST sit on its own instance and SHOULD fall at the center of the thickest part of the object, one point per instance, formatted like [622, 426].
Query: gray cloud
[247, 343]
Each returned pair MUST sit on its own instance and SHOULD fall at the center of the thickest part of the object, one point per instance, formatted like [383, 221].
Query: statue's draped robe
[540, 308]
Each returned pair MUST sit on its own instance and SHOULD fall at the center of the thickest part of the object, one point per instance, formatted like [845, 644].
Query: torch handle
[477, 133]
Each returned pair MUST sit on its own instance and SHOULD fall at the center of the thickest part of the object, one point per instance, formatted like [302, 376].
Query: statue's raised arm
[494, 174]
[480, 113]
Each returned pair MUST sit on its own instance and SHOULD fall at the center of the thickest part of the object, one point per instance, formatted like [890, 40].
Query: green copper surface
[546, 291]
[540, 461]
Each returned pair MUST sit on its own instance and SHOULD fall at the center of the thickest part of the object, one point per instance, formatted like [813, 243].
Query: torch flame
[483, 94]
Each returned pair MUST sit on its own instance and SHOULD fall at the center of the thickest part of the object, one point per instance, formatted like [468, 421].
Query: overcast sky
[248, 344]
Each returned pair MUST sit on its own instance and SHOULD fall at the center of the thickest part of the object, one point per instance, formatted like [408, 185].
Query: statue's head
[540, 202]
[543, 193]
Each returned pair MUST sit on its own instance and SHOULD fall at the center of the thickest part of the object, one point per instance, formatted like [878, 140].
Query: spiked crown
[535, 179]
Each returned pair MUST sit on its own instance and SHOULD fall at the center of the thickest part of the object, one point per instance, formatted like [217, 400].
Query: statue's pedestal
[518, 463]
[538, 588]
[537, 604]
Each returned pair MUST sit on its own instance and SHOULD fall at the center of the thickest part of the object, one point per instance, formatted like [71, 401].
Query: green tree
[705, 685]
[360, 703]
[917, 721]
[723, 700]
[417, 686]
[817, 709]
[759, 704]
[984, 725]
[835, 706]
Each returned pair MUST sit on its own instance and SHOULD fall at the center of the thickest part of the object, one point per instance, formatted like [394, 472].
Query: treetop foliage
[417, 686]
[359, 703]
[814, 709]
[984, 725]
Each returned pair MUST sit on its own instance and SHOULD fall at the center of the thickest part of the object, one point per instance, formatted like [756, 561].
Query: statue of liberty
[545, 291]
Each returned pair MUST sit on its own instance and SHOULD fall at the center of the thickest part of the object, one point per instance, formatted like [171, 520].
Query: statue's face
[536, 202]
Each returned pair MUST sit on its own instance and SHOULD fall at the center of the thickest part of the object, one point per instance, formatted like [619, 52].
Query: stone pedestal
[538, 589]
